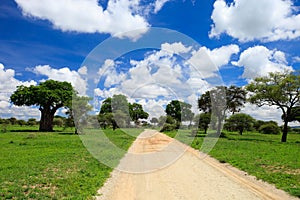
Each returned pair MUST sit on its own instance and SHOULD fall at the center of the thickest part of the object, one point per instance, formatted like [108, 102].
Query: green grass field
[53, 165]
[263, 156]
[57, 165]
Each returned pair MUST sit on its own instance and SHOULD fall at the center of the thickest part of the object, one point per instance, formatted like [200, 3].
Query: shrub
[269, 128]
[168, 127]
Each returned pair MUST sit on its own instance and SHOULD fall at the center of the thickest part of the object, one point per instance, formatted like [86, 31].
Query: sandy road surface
[157, 167]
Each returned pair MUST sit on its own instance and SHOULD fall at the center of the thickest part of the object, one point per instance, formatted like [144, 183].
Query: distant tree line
[276, 89]
[20, 122]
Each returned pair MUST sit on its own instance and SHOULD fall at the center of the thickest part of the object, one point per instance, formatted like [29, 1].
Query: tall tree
[120, 102]
[277, 89]
[295, 114]
[236, 98]
[214, 102]
[106, 106]
[222, 99]
[204, 102]
[114, 112]
[49, 96]
[78, 111]
[180, 111]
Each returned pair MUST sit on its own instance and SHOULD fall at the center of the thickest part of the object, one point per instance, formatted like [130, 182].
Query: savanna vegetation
[51, 165]
[44, 159]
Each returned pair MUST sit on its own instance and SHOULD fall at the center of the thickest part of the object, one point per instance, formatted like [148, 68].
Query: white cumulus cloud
[64, 74]
[175, 48]
[8, 85]
[266, 20]
[207, 62]
[265, 113]
[88, 16]
[259, 61]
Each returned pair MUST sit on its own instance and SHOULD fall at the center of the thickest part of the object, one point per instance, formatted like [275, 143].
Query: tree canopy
[137, 112]
[228, 99]
[203, 121]
[221, 99]
[117, 112]
[180, 111]
[240, 122]
[78, 111]
[49, 96]
[277, 89]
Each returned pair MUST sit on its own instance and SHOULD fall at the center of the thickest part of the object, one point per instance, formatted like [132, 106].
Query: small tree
[257, 124]
[57, 121]
[170, 124]
[180, 111]
[32, 122]
[154, 120]
[202, 121]
[78, 111]
[277, 89]
[137, 112]
[49, 96]
[12, 120]
[21, 122]
[115, 112]
[240, 122]
[269, 128]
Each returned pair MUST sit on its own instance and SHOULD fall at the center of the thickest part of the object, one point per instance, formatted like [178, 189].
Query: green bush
[269, 128]
[168, 127]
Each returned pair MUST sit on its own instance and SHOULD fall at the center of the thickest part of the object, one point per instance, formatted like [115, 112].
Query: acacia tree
[49, 96]
[222, 99]
[240, 122]
[214, 102]
[236, 98]
[277, 89]
[295, 114]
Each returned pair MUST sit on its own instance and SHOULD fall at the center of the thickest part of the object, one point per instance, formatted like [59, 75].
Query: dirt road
[160, 168]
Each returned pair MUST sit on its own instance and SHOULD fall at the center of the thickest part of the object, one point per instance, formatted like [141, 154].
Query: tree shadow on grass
[67, 133]
[251, 139]
[24, 130]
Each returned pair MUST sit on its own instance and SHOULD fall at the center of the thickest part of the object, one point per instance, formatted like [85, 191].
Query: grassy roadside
[260, 155]
[54, 165]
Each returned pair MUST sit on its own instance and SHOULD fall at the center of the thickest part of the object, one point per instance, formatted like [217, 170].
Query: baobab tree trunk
[284, 131]
[46, 122]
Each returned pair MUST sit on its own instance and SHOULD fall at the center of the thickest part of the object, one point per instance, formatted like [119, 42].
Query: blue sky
[236, 42]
